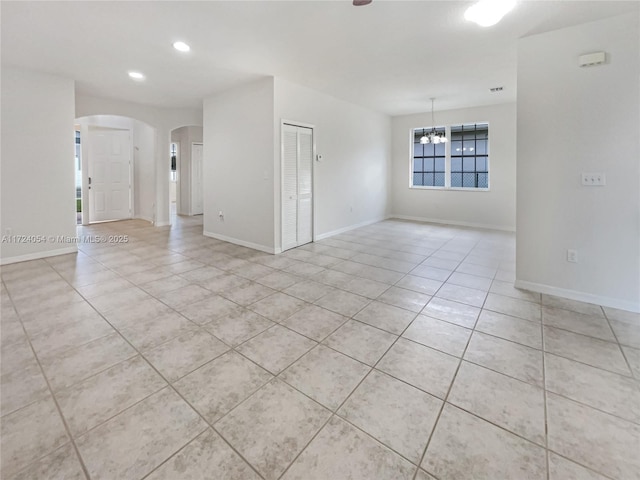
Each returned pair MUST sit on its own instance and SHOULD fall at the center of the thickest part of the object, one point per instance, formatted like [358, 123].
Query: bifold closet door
[297, 186]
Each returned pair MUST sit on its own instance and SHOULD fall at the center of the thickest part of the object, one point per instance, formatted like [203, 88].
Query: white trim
[454, 223]
[322, 236]
[579, 296]
[243, 243]
[38, 255]
[142, 217]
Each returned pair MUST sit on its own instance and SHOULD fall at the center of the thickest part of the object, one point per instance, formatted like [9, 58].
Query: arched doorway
[115, 170]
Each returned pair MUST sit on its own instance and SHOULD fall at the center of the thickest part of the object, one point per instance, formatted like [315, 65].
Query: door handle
[89, 180]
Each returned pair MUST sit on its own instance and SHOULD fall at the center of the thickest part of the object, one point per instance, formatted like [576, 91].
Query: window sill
[447, 189]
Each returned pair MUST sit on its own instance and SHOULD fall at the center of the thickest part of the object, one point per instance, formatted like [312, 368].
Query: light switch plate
[593, 179]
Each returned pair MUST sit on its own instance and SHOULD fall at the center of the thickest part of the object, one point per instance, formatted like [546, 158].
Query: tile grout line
[444, 401]
[544, 392]
[53, 397]
[170, 385]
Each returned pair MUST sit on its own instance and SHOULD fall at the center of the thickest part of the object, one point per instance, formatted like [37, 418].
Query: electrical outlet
[572, 256]
[593, 179]
[221, 215]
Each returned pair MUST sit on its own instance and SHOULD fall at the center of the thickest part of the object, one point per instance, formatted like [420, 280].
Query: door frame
[311, 126]
[85, 174]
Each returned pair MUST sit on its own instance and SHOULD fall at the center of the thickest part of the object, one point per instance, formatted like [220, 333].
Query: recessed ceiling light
[488, 12]
[136, 75]
[181, 46]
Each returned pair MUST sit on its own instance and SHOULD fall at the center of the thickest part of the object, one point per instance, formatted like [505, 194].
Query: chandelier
[433, 136]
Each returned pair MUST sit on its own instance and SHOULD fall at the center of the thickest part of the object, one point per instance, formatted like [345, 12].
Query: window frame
[447, 159]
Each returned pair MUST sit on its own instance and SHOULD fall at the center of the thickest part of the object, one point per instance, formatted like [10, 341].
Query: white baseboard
[322, 236]
[579, 296]
[162, 224]
[455, 223]
[38, 255]
[243, 243]
[142, 217]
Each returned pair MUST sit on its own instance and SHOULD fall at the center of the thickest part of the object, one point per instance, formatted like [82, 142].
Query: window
[469, 156]
[462, 162]
[428, 161]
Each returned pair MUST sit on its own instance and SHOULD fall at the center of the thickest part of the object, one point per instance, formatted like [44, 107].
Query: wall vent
[591, 59]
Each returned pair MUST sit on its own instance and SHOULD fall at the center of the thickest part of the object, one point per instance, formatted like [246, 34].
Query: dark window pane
[439, 179]
[440, 164]
[481, 147]
[468, 179]
[468, 164]
[469, 147]
[417, 179]
[417, 150]
[417, 165]
[428, 164]
[481, 164]
[456, 147]
[456, 179]
[483, 180]
[428, 179]
[439, 148]
[456, 164]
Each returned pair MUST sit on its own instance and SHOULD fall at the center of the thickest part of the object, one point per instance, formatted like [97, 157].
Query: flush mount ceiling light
[433, 136]
[181, 46]
[136, 75]
[488, 12]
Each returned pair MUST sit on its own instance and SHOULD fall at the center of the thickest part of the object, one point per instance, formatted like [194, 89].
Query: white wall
[573, 120]
[164, 120]
[351, 182]
[238, 165]
[37, 168]
[185, 136]
[495, 208]
[144, 154]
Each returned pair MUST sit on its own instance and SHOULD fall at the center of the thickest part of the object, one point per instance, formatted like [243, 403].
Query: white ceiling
[391, 56]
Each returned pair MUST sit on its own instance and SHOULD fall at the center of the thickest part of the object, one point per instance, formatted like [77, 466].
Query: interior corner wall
[37, 167]
[238, 165]
[351, 182]
[573, 120]
[495, 208]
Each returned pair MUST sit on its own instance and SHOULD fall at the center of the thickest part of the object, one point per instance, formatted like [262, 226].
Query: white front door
[196, 179]
[297, 186]
[109, 174]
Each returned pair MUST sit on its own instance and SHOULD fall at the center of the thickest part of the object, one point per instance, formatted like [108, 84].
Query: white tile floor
[395, 351]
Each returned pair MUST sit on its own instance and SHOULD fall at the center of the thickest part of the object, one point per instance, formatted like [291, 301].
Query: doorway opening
[187, 176]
